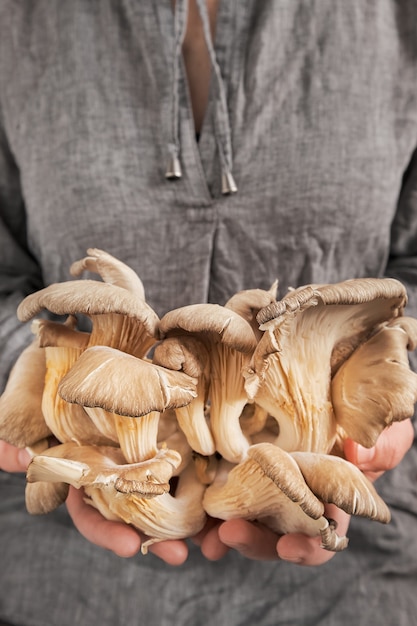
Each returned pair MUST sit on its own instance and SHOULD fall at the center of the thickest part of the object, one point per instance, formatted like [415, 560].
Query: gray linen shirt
[322, 110]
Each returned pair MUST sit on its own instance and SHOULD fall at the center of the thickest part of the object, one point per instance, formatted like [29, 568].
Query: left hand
[255, 541]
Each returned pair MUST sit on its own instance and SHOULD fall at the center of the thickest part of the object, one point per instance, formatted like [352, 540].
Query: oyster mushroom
[111, 270]
[62, 346]
[189, 355]
[249, 302]
[308, 335]
[22, 421]
[119, 318]
[132, 391]
[230, 342]
[286, 492]
[375, 386]
[167, 516]
[103, 468]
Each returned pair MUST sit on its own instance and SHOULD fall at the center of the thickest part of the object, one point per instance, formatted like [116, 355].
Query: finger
[13, 459]
[298, 548]
[209, 541]
[392, 445]
[252, 540]
[114, 536]
[118, 537]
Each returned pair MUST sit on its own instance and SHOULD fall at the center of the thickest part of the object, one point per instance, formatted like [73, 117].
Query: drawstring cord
[221, 121]
[174, 171]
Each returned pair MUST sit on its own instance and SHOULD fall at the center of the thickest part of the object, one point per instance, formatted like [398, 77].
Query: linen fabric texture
[322, 109]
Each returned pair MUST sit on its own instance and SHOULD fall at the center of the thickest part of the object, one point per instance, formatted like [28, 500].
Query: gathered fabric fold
[221, 125]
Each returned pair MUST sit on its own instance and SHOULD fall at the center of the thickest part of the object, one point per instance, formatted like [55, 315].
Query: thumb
[391, 446]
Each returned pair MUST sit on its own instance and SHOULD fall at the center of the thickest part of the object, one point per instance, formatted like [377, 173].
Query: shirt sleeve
[402, 263]
[19, 272]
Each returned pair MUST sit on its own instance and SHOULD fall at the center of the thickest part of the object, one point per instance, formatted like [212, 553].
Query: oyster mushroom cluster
[234, 411]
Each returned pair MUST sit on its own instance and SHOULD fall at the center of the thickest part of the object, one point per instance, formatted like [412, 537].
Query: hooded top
[305, 170]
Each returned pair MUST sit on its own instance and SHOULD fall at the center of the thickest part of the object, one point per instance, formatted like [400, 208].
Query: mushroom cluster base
[231, 411]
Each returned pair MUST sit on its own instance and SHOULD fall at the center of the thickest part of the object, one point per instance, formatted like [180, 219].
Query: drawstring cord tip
[228, 184]
[174, 169]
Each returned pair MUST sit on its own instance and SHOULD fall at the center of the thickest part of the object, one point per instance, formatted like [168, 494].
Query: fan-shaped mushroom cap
[119, 318]
[60, 335]
[210, 323]
[44, 497]
[124, 385]
[230, 341]
[249, 302]
[22, 421]
[111, 270]
[245, 491]
[375, 386]
[336, 481]
[286, 491]
[309, 334]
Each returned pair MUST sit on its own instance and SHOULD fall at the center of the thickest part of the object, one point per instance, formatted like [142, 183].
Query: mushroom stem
[227, 400]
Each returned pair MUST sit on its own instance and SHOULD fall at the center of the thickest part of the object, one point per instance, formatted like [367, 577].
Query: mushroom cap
[88, 297]
[123, 384]
[43, 497]
[249, 302]
[337, 481]
[246, 491]
[111, 270]
[309, 334]
[56, 334]
[210, 321]
[375, 386]
[286, 492]
[352, 291]
[22, 422]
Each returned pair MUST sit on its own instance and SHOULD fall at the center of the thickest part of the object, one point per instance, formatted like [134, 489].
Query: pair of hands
[252, 540]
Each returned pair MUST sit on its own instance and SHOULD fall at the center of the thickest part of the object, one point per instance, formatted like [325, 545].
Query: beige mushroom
[68, 422]
[249, 302]
[119, 318]
[308, 335]
[375, 386]
[230, 341]
[123, 491]
[102, 468]
[43, 497]
[286, 492]
[132, 391]
[22, 421]
[189, 355]
[167, 516]
[111, 270]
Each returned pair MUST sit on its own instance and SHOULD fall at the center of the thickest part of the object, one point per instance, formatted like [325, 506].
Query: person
[212, 146]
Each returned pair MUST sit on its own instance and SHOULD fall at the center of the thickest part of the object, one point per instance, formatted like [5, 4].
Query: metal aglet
[174, 169]
[228, 184]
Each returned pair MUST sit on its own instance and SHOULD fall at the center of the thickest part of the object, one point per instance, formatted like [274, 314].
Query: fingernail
[23, 457]
[291, 559]
[364, 455]
[240, 547]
